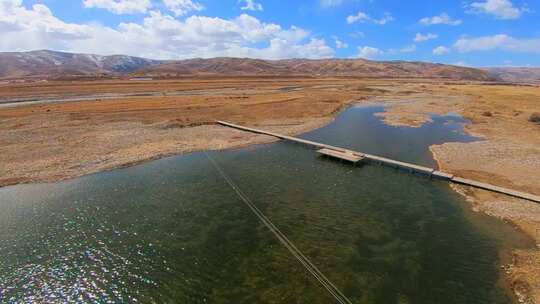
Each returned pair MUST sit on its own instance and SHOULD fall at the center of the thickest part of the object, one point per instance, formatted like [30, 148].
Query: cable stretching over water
[310, 267]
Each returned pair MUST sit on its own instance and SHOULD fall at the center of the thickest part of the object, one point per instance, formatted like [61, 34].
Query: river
[172, 230]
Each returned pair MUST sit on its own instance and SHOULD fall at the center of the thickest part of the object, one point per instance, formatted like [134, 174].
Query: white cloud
[363, 18]
[360, 17]
[440, 19]
[368, 52]
[120, 6]
[251, 5]
[441, 50]
[182, 7]
[340, 44]
[396, 51]
[408, 49]
[500, 9]
[385, 19]
[498, 42]
[357, 35]
[331, 3]
[158, 36]
[315, 48]
[421, 38]
[461, 63]
[23, 29]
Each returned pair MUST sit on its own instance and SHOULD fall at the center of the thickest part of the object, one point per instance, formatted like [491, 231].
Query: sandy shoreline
[206, 137]
[518, 265]
[522, 271]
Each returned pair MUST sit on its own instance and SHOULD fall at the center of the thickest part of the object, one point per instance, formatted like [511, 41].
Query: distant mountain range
[51, 65]
[511, 74]
[320, 67]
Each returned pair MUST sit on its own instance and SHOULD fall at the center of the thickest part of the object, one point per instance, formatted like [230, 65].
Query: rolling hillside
[511, 74]
[323, 67]
[51, 64]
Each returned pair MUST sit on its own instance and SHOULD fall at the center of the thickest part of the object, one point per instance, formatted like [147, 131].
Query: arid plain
[83, 127]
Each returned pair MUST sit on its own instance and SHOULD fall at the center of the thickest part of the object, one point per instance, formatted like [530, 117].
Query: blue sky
[470, 32]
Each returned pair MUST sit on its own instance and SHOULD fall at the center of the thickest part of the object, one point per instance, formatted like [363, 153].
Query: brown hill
[50, 64]
[322, 67]
[516, 74]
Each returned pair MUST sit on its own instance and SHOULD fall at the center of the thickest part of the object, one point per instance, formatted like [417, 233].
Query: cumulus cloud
[159, 36]
[331, 3]
[182, 7]
[34, 28]
[365, 18]
[498, 42]
[368, 52]
[340, 44]
[408, 49]
[500, 9]
[120, 6]
[359, 17]
[441, 50]
[421, 37]
[396, 51]
[315, 48]
[443, 18]
[461, 63]
[251, 5]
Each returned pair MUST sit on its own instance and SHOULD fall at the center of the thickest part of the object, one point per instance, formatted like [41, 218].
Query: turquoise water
[172, 231]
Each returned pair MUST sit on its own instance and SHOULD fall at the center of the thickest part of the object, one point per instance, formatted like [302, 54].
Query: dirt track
[55, 141]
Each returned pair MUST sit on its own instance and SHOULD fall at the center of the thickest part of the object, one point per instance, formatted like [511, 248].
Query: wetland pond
[173, 231]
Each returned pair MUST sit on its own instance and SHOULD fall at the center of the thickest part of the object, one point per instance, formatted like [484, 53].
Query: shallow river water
[173, 231]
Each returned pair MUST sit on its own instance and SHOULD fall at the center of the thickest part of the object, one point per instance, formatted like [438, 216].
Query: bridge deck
[353, 155]
[350, 157]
